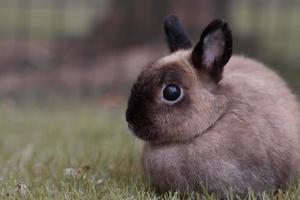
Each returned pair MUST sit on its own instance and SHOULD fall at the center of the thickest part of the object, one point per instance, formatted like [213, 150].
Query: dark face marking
[145, 109]
[138, 106]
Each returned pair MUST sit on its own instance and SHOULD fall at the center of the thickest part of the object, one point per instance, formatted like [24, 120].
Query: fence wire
[266, 29]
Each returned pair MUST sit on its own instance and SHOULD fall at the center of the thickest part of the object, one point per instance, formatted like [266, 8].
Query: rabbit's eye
[171, 93]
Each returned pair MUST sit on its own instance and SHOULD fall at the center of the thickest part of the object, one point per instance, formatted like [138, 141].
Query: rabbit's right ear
[214, 49]
[175, 34]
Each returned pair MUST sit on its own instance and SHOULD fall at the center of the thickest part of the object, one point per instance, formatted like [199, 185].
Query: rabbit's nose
[130, 116]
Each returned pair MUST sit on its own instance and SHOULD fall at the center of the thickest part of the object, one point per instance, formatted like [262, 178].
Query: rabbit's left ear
[175, 35]
[214, 49]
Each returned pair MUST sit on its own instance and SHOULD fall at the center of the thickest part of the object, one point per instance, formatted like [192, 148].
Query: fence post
[22, 34]
[58, 30]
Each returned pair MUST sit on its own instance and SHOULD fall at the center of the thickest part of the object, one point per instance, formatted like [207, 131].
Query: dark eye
[171, 93]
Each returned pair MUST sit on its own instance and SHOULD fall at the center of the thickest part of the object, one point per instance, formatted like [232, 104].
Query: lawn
[75, 152]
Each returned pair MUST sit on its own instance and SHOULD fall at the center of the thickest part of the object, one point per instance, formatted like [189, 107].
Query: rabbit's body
[208, 123]
[253, 144]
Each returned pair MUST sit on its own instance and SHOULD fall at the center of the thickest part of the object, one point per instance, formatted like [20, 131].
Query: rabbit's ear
[175, 34]
[214, 49]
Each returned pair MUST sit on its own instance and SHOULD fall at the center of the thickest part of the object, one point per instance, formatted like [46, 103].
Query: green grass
[75, 153]
[37, 145]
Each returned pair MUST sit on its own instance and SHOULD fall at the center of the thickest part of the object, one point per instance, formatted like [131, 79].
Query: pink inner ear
[214, 44]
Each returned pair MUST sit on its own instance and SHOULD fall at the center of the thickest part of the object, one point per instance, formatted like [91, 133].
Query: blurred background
[92, 50]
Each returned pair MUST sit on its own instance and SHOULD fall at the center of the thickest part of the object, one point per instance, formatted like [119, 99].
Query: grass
[68, 154]
[76, 153]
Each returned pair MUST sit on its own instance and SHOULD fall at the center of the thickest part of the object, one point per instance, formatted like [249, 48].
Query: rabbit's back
[262, 125]
[259, 88]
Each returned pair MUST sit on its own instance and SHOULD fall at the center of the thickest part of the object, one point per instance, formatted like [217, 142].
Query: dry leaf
[21, 189]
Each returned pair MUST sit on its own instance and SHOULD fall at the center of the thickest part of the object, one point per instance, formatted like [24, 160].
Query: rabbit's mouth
[130, 127]
[144, 133]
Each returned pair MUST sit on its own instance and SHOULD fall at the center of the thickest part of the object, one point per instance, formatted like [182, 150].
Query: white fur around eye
[161, 96]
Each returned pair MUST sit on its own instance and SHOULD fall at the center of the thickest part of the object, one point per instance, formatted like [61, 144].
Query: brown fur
[242, 132]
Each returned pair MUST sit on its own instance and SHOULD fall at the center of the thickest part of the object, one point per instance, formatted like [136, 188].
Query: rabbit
[213, 120]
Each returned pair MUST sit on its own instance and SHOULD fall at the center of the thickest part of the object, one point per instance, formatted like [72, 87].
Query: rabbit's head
[175, 97]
